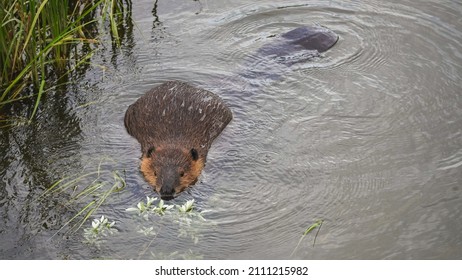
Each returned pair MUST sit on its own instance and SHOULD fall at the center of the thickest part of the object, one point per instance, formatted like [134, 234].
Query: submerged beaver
[176, 123]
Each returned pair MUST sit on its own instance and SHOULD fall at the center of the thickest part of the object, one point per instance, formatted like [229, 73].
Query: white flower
[187, 207]
[150, 200]
[95, 224]
[132, 209]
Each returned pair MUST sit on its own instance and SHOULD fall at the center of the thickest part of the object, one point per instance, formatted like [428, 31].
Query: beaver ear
[150, 151]
[194, 154]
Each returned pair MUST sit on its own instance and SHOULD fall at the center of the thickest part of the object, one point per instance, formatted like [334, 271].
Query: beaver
[176, 123]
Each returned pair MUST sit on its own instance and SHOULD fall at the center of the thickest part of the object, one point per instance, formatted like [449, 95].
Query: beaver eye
[181, 174]
[155, 173]
[150, 151]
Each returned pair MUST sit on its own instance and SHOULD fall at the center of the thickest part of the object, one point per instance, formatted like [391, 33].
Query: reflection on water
[366, 137]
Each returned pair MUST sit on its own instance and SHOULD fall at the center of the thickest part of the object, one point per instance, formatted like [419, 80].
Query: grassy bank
[43, 40]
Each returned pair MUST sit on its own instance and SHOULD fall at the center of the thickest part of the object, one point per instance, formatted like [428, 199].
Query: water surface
[367, 137]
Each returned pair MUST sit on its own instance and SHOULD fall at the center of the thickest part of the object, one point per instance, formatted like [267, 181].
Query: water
[367, 137]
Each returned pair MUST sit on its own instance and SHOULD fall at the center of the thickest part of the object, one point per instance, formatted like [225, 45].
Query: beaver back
[177, 113]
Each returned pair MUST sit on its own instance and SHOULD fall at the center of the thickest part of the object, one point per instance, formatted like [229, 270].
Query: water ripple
[366, 137]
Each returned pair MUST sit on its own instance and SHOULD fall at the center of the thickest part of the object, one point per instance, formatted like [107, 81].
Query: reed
[40, 41]
[90, 189]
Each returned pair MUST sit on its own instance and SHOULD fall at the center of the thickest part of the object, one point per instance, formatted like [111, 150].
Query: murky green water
[367, 138]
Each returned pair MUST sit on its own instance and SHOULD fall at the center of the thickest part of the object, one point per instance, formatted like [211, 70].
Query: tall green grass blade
[34, 34]
[34, 21]
[73, 218]
[98, 191]
[57, 187]
[37, 101]
[89, 191]
[113, 23]
[98, 202]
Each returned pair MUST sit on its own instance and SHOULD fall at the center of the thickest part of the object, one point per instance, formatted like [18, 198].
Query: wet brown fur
[191, 168]
[170, 121]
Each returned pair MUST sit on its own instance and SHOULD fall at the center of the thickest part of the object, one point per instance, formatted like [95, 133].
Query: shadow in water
[33, 155]
[125, 33]
[156, 22]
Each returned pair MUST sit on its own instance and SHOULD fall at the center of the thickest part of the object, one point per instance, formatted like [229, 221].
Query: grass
[93, 195]
[315, 225]
[41, 42]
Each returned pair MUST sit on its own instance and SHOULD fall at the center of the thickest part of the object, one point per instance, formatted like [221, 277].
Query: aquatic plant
[99, 230]
[145, 209]
[43, 40]
[91, 188]
[186, 208]
[188, 219]
[147, 231]
[315, 225]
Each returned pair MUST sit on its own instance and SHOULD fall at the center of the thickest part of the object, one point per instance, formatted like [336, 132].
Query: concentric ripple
[366, 137]
[354, 136]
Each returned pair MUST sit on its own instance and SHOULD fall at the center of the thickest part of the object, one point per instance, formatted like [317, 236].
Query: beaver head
[170, 170]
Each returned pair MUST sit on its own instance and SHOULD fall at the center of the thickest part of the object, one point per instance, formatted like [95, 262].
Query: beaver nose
[166, 197]
[167, 192]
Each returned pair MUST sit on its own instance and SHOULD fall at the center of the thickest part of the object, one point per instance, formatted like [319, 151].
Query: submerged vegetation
[88, 192]
[99, 230]
[42, 41]
[102, 183]
[185, 216]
